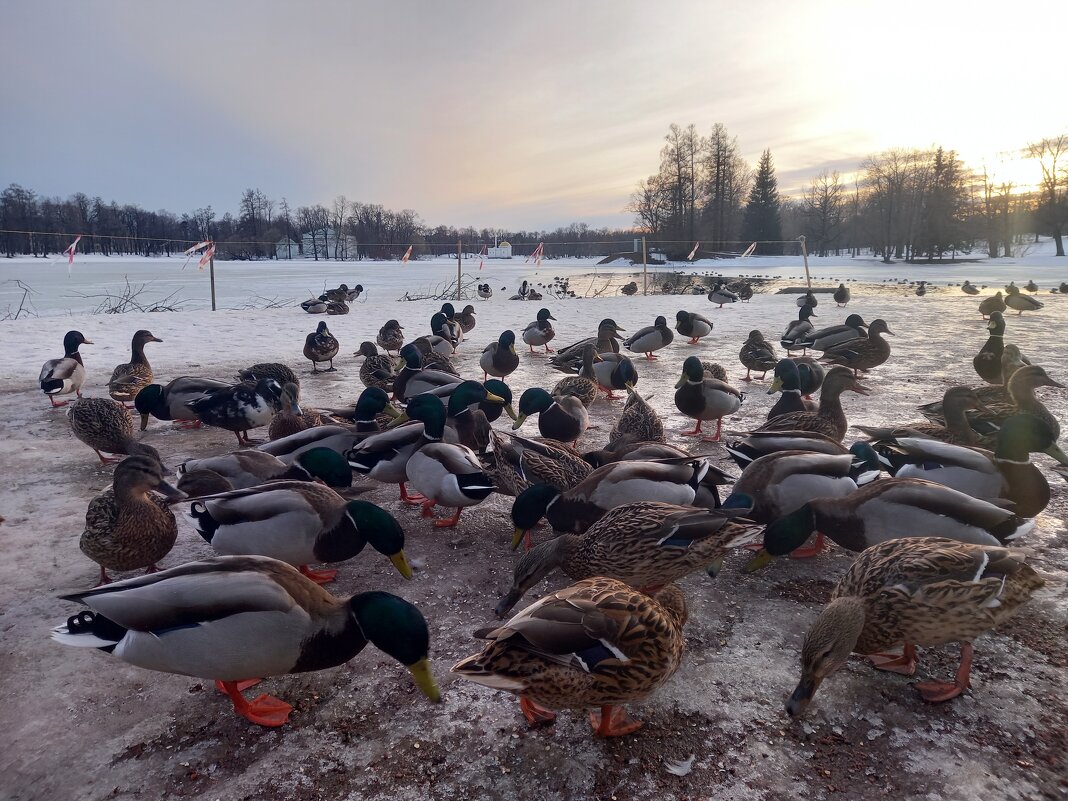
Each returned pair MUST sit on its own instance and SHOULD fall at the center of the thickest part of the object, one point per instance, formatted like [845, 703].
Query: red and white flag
[481, 256]
[693, 252]
[197, 247]
[407, 254]
[209, 254]
[749, 251]
[536, 255]
[69, 252]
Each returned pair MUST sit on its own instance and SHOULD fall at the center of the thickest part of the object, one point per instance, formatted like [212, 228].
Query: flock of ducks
[628, 520]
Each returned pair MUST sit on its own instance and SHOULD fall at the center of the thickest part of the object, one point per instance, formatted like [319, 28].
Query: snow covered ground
[80, 725]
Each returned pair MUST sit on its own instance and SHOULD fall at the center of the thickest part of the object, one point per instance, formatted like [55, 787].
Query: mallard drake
[106, 426]
[297, 522]
[414, 379]
[757, 354]
[692, 325]
[651, 338]
[499, 358]
[434, 358]
[126, 526]
[704, 398]
[493, 409]
[1006, 473]
[376, 370]
[130, 378]
[720, 294]
[955, 405]
[862, 354]
[337, 307]
[390, 336]
[1022, 303]
[598, 643]
[454, 324]
[519, 462]
[250, 467]
[614, 371]
[646, 545]
[576, 509]
[830, 419]
[995, 303]
[811, 372]
[66, 375]
[171, 402]
[485, 291]
[341, 293]
[314, 306]
[239, 408]
[540, 332]
[233, 618]
[562, 418]
[799, 330]
[824, 338]
[761, 443]
[584, 385]
[291, 418]
[372, 405]
[466, 319]
[987, 361]
[568, 360]
[841, 295]
[354, 293]
[915, 591]
[639, 421]
[442, 326]
[626, 448]
[968, 289]
[321, 346]
[787, 380]
[276, 370]
[466, 415]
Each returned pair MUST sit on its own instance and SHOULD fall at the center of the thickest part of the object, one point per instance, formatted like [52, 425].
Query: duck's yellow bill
[518, 421]
[776, 385]
[493, 398]
[400, 419]
[400, 561]
[517, 537]
[681, 381]
[391, 410]
[762, 559]
[144, 421]
[510, 411]
[424, 679]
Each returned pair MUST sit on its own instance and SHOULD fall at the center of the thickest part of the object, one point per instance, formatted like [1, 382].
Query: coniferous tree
[762, 222]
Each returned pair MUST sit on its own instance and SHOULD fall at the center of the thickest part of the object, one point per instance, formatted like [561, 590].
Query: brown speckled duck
[130, 378]
[106, 426]
[830, 419]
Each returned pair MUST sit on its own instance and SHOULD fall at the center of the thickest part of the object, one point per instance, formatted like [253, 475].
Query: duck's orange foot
[241, 686]
[412, 498]
[449, 522]
[807, 552]
[536, 715]
[187, 424]
[266, 711]
[903, 663]
[428, 507]
[936, 692]
[318, 576]
[58, 404]
[754, 546]
[613, 721]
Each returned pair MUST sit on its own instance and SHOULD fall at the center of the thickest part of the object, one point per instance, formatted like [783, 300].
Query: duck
[354, 293]
[760, 443]
[646, 545]
[650, 338]
[130, 378]
[540, 332]
[237, 618]
[745, 291]
[1012, 289]
[1022, 303]
[1063, 288]
[841, 295]
[575, 510]
[714, 370]
[994, 303]
[787, 380]
[921, 289]
[991, 395]
[567, 360]
[432, 359]
[466, 413]
[376, 370]
[106, 426]
[413, 379]
[170, 402]
[519, 462]
[811, 372]
[627, 448]
[638, 421]
[692, 325]
[314, 306]
[341, 293]
[799, 330]
[704, 398]
[808, 299]
[598, 643]
[757, 354]
[251, 467]
[321, 346]
[431, 344]
[501, 404]
[629, 289]
[956, 430]
[499, 358]
[584, 385]
[824, 338]
[720, 294]
[1031, 286]
[337, 307]
[562, 418]
[443, 325]
[299, 523]
[915, 591]
[987, 361]
[372, 406]
[240, 408]
[203, 482]
[485, 291]
[466, 319]
[276, 370]
[390, 336]
[862, 354]
[614, 371]
[523, 291]
[968, 289]
[830, 418]
[129, 526]
[291, 418]
[67, 374]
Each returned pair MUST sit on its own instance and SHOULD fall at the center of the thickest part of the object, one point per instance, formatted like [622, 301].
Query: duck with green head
[65, 375]
[540, 332]
[704, 398]
[170, 402]
[252, 467]
[584, 385]
[465, 415]
[499, 358]
[562, 418]
[415, 379]
[614, 371]
[787, 380]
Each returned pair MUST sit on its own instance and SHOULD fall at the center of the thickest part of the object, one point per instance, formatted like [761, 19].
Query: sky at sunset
[502, 114]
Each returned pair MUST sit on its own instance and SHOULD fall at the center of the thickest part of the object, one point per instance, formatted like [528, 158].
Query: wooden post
[804, 255]
[459, 265]
[211, 268]
[645, 268]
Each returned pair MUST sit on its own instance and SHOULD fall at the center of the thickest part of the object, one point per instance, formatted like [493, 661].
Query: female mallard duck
[390, 336]
[692, 325]
[540, 332]
[428, 345]
[66, 375]
[466, 319]
[597, 643]
[841, 295]
[321, 346]
[250, 468]
[629, 289]
[203, 482]
[291, 418]
[799, 330]
[297, 522]
[415, 379]
[575, 510]
[995, 303]
[240, 408]
[704, 398]
[651, 338]
[376, 370]
[1022, 303]
[614, 371]
[757, 354]
[921, 289]
[639, 421]
[235, 618]
[627, 448]
[126, 526]
[761, 443]
[466, 415]
[824, 338]
[337, 307]
[745, 292]
[720, 294]
[130, 378]
[339, 294]
[1031, 286]
[171, 402]
[808, 299]
[432, 358]
[106, 426]
[519, 462]
[314, 306]
[276, 370]
[787, 380]
[993, 396]
[584, 385]
[956, 431]
[646, 545]
[915, 591]
[968, 289]
[567, 360]
[830, 419]
[987, 361]
[499, 358]
[862, 354]
[561, 418]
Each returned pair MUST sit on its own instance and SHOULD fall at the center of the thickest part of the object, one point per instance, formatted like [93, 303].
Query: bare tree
[1052, 152]
[822, 209]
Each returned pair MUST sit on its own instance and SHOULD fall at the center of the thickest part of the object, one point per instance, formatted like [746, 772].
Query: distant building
[286, 248]
[324, 244]
[500, 251]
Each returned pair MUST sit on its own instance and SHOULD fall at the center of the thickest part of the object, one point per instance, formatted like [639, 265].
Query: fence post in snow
[804, 255]
[645, 268]
[459, 266]
[211, 269]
